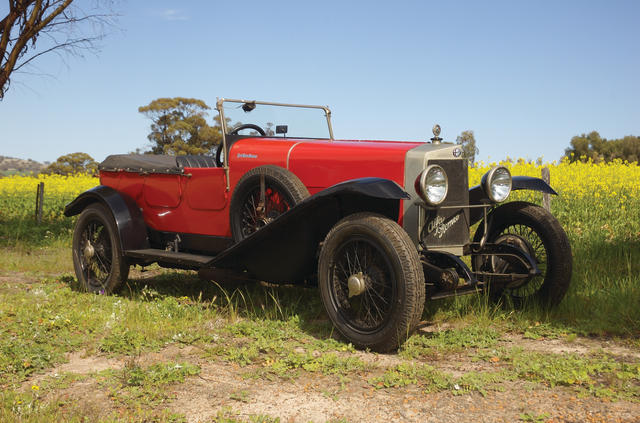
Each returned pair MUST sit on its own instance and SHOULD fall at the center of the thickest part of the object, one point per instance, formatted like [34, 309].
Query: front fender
[132, 230]
[286, 249]
[477, 195]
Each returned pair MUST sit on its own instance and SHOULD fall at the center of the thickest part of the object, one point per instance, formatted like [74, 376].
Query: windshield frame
[220, 107]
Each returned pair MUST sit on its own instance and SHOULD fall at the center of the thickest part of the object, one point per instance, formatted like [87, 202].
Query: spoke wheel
[97, 256]
[363, 285]
[257, 212]
[371, 281]
[536, 232]
[261, 196]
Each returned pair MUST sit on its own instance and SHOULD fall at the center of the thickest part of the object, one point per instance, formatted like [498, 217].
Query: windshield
[276, 120]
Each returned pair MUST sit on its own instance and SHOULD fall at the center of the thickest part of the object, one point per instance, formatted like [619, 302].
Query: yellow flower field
[56, 185]
[578, 180]
[602, 185]
[600, 200]
[591, 196]
[18, 193]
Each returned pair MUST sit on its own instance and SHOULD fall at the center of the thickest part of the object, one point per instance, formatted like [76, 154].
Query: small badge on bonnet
[457, 152]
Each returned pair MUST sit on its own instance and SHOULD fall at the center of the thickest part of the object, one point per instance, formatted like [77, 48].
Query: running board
[171, 257]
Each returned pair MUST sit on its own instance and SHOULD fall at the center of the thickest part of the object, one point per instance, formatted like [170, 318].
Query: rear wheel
[261, 196]
[97, 257]
[371, 281]
[535, 231]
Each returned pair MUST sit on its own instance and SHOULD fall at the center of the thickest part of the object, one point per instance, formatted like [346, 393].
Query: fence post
[546, 198]
[39, 201]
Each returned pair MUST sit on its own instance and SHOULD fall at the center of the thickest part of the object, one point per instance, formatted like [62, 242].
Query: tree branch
[27, 20]
[72, 43]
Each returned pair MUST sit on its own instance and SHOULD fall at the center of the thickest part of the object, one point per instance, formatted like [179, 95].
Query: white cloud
[174, 15]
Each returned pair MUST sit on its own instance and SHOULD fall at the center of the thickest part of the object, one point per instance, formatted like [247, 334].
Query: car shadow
[248, 298]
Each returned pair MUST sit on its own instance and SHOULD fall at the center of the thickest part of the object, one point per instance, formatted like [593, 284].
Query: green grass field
[282, 333]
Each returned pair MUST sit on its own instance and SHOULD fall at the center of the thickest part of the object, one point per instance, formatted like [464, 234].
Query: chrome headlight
[432, 185]
[497, 184]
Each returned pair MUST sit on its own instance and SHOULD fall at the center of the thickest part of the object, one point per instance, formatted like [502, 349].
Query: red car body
[197, 202]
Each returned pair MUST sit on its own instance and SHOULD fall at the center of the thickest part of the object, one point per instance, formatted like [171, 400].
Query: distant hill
[11, 165]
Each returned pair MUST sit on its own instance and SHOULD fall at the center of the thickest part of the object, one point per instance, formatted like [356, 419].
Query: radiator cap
[436, 132]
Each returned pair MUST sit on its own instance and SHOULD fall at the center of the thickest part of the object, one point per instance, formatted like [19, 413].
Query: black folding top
[145, 163]
[154, 163]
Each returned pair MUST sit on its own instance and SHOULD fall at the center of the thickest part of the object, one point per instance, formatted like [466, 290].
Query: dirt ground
[221, 388]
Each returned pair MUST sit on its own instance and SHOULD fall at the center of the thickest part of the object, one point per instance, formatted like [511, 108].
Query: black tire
[538, 232]
[380, 252]
[283, 190]
[97, 256]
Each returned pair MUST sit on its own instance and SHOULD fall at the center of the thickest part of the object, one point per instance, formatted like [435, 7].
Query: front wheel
[536, 232]
[261, 196]
[371, 281]
[97, 257]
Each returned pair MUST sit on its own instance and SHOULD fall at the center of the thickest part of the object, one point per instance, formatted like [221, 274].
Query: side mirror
[282, 129]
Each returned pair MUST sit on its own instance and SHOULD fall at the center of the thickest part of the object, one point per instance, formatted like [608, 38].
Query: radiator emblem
[439, 227]
[457, 152]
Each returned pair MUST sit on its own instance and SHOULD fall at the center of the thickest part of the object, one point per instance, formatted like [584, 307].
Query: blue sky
[524, 76]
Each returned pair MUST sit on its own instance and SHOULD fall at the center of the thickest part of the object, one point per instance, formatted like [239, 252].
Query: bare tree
[56, 25]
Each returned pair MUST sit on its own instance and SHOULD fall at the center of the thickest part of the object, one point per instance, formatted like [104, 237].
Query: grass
[602, 299]
[596, 374]
[229, 416]
[425, 376]
[534, 418]
[282, 333]
[430, 379]
[54, 259]
[26, 232]
[250, 327]
[135, 386]
[444, 342]
[599, 375]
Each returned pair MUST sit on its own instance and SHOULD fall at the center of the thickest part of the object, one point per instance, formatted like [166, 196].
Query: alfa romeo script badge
[457, 152]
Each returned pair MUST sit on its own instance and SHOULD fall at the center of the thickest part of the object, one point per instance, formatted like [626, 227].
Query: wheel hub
[356, 284]
[263, 218]
[88, 251]
[510, 266]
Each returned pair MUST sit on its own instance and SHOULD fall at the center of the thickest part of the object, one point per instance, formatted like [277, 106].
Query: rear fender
[132, 231]
[477, 195]
[286, 249]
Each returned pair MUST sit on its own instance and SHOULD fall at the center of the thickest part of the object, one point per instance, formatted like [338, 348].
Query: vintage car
[380, 226]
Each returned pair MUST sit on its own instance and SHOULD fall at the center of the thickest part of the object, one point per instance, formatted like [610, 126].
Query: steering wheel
[248, 126]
